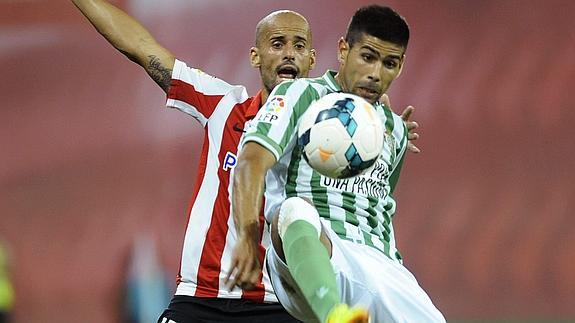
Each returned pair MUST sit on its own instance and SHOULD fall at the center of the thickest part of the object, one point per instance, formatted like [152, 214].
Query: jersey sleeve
[275, 125]
[195, 92]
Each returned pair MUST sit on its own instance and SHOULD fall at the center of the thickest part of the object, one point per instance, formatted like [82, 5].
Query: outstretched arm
[248, 190]
[130, 38]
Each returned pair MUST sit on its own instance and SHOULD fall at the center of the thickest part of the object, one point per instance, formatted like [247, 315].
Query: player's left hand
[411, 125]
[245, 269]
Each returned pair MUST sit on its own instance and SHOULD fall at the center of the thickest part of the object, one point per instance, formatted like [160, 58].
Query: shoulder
[298, 94]
[301, 85]
[201, 80]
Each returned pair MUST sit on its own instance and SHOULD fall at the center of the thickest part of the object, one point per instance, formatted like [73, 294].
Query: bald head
[283, 49]
[281, 19]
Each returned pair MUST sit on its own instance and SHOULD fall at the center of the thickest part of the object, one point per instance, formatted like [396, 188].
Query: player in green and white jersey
[333, 240]
[358, 209]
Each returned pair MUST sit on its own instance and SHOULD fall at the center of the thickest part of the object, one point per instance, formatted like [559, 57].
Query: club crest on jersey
[391, 144]
[272, 109]
[230, 161]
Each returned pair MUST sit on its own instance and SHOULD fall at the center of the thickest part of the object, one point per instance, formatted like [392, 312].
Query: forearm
[120, 30]
[248, 189]
[129, 37]
[247, 198]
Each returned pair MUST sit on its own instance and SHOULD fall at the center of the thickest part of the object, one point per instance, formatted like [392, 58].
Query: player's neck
[265, 95]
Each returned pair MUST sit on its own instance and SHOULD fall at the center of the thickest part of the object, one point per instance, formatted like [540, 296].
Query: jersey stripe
[209, 271]
[195, 92]
[199, 223]
[200, 176]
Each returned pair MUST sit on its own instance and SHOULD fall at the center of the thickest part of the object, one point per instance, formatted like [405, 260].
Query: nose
[375, 71]
[289, 52]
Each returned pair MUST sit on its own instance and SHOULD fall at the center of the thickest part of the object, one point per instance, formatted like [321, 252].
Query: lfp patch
[272, 109]
[275, 104]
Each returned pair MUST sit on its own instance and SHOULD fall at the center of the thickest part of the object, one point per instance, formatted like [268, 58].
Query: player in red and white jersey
[223, 110]
[282, 51]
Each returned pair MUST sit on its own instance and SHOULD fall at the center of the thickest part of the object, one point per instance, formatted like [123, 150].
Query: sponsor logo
[237, 128]
[230, 161]
[374, 183]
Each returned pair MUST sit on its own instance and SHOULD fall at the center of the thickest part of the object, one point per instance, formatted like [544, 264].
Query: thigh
[390, 292]
[286, 289]
[188, 309]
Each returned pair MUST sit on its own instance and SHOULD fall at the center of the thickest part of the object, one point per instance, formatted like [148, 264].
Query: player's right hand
[245, 270]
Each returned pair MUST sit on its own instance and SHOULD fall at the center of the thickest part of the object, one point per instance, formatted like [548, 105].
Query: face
[283, 50]
[368, 68]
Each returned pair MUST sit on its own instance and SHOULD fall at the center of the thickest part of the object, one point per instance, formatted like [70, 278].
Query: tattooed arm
[130, 38]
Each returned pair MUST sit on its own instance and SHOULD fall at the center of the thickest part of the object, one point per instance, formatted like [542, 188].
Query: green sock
[309, 265]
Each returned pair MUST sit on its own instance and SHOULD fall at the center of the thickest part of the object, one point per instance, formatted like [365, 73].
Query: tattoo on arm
[159, 73]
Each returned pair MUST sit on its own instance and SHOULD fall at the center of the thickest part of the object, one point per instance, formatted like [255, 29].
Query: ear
[400, 66]
[254, 57]
[342, 50]
[312, 59]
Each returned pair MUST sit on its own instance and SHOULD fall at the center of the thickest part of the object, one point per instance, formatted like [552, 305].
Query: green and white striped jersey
[359, 209]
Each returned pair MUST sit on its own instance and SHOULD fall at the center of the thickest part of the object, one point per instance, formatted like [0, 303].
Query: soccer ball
[341, 135]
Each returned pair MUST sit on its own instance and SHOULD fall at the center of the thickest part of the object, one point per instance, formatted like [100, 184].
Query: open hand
[411, 125]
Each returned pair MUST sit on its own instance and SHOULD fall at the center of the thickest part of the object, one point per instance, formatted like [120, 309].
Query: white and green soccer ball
[341, 135]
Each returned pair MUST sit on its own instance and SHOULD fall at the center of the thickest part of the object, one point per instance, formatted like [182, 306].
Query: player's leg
[308, 259]
[391, 292]
[298, 239]
[403, 296]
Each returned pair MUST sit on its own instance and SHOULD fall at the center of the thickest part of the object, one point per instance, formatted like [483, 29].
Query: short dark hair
[378, 21]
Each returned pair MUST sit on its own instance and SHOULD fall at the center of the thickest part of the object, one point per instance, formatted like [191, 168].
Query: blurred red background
[90, 158]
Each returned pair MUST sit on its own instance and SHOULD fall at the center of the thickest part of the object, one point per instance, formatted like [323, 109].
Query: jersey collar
[254, 106]
[329, 78]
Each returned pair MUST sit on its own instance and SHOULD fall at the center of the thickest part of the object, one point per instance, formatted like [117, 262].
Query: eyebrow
[371, 49]
[283, 38]
[300, 38]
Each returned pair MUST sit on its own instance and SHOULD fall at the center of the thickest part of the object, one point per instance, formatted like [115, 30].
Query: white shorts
[365, 277]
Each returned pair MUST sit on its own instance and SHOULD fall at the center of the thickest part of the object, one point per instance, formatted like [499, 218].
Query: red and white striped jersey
[223, 110]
